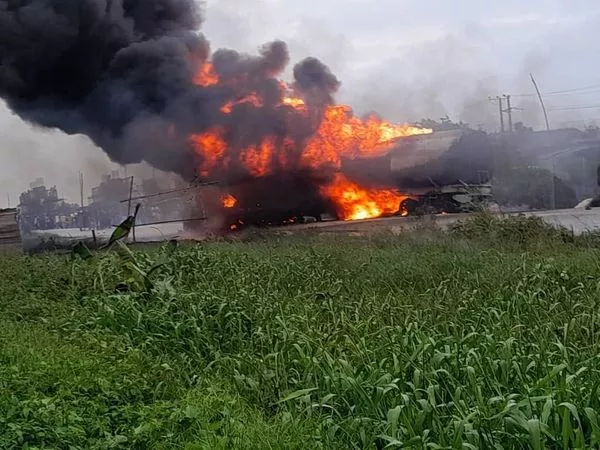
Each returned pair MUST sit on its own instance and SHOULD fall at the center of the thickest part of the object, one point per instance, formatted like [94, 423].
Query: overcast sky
[405, 59]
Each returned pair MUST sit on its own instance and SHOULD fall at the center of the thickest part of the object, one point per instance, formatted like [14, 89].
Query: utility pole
[500, 110]
[553, 193]
[82, 224]
[541, 101]
[509, 109]
[130, 194]
[509, 112]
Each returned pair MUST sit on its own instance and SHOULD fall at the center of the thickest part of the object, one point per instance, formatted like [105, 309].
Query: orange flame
[339, 135]
[294, 102]
[253, 99]
[206, 76]
[343, 135]
[212, 147]
[258, 159]
[228, 201]
[355, 203]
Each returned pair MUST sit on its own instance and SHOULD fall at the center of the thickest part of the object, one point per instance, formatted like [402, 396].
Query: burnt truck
[443, 172]
[278, 199]
[452, 199]
[272, 200]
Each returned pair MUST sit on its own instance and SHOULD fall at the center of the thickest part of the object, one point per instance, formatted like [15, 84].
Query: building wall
[10, 236]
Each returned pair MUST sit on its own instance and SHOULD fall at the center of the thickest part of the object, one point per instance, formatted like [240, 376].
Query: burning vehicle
[273, 200]
[298, 197]
[296, 171]
[445, 172]
[442, 172]
[452, 199]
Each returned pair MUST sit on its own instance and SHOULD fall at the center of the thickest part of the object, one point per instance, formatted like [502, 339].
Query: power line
[584, 121]
[580, 90]
[574, 108]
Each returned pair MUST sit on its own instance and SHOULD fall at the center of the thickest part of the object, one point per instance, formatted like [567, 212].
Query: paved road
[577, 220]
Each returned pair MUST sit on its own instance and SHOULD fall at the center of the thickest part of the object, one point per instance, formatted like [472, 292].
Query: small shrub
[518, 230]
[590, 239]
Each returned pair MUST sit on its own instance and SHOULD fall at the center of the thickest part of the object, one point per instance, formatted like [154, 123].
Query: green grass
[419, 341]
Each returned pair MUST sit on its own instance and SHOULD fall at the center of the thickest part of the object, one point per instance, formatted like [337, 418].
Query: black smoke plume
[315, 80]
[122, 73]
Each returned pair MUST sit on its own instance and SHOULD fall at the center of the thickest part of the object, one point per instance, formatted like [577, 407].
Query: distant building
[41, 208]
[108, 207]
[10, 236]
[105, 208]
[570, 154]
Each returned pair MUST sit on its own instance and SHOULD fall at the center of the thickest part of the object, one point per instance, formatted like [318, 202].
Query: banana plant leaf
[123, 229]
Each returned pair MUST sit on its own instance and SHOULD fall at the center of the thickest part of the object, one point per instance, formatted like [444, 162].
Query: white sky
[405, 59]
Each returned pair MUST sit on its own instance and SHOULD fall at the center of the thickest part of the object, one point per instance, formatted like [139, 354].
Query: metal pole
[129, 199]
[209, 183]
[553, 193]
[501, 114]
[129, 206]
[82, 225]
[509, 111]
[586, 176]
[541, 101]
[161, 222]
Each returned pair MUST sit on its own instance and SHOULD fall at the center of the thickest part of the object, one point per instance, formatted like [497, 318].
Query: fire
[228, 201]
[294, 102]
[356, 203]
[258, 158]
[206, 76]
[253, 99]
[343, 135]
[212, 147]
[332, 134]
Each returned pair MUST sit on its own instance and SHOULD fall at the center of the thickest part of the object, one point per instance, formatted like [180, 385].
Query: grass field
[419, 341]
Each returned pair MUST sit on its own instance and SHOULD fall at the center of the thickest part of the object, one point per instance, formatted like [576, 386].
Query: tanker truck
[447, 171]
[442, 172]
